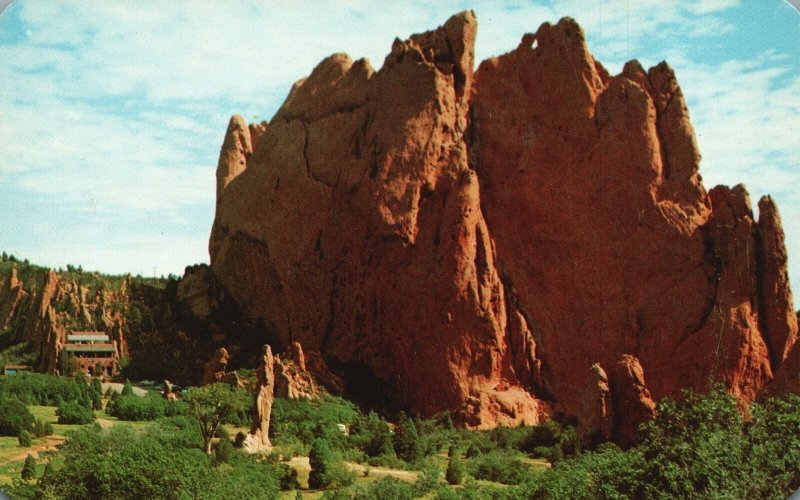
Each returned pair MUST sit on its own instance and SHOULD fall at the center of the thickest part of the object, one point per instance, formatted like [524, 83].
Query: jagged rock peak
[524, 223]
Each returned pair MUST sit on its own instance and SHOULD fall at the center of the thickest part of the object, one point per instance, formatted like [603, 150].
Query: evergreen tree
[29, 468]
[321, 460]
[47, 475]
[406, 439]
[455, 469]
[24, 439]
[67, 363]
[127, 389]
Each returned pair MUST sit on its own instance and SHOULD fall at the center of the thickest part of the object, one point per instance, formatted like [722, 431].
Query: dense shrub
[121, 463]
[388, 487]
[499, 466]
[406, 439]
[24, 439]
[306, 420]
[72, 412]
[223, 451]
[39, 389]
[127, 388]
[14, 417]
[370, 433]
[327, 469]
[29, 468]
[455, 469]
[136, 408]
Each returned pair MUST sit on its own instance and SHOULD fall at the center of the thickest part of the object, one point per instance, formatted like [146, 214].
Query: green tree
[24, 439]
[321, 459]
[211, 405]
[67, 363]
[127, 389]
[223, 451]
[14, 417]
[406, 439]
[455, 469]
[73, 412]
[29, 468]
[47, 475]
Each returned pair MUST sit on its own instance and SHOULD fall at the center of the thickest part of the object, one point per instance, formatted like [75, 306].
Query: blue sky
[112, 113]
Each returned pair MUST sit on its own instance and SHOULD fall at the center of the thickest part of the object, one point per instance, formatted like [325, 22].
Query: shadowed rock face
[478, 242]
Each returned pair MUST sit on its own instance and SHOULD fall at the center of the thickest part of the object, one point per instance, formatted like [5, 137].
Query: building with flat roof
[95, 352]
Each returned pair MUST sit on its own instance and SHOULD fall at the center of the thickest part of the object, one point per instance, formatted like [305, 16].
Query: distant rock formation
[43, 309]
[214, 369]
[493, 243]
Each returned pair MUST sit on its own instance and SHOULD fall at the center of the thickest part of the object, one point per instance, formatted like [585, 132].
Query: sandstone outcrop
[214, 369]
[630, 399]
[480, 242]
[292, 378]
[257, 439]
[46, 305]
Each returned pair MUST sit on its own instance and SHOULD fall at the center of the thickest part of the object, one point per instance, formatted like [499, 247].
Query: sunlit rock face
[476, 242]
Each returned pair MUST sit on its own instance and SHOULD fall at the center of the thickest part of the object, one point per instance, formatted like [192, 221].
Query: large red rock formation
[478, 242]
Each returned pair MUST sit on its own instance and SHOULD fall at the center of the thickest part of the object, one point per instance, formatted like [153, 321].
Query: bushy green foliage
[39, 389]
[24, 439]
[14, 417]
[406, 439]
[498, 466]
[210, 405]
[774, 448]
[138, 408]
[72, 412]
[327, 468]
[304, 420]
[127, 388]
[223, 451]
[697, 447]
[29, 467]
[41, 428]
[67, 364]
[455, 468]
[120, 463]
[47, 475]
[370, 433]
[388, 487]
[321, 460]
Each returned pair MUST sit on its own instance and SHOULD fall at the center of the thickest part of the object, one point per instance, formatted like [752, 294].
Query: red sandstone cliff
[481, 242]
[42, 311]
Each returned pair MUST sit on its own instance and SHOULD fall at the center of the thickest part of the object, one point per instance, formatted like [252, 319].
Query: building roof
[90, 348]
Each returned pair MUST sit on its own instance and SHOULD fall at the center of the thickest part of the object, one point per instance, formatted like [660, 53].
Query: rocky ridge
[42, 309]
[530, 237]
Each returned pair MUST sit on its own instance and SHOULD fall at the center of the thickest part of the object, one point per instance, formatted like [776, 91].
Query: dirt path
[302, 466]
[50, 444]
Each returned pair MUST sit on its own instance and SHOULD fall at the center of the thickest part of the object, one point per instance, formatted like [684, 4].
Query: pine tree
[47, 475]
[127, 389]
[24, 439]
[321, 459]
[455, 469]
[29, 468]
[406, 439]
